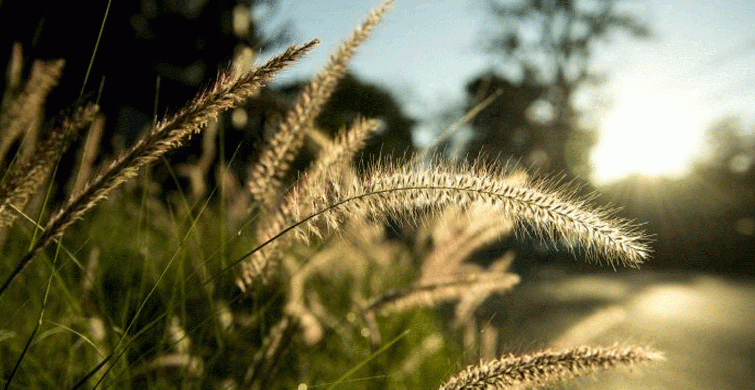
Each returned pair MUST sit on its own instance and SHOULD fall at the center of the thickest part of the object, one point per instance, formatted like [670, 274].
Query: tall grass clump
[120, 288]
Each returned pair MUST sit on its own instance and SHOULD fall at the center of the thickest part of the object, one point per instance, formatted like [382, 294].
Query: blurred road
[705, 324]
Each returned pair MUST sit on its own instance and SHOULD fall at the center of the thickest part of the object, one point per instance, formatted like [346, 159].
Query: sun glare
[653, 136]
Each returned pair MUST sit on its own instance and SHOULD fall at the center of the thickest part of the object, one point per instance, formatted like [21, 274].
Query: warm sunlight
[651, 135]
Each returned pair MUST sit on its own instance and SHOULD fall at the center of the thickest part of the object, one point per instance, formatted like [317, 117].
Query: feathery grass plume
[334, 160]
[280, 149]
[406, 189]
[470, 301]
[337, 156]
[87, 155]
[295, 306]
[271, 348]
[227, 92]
[319, 136]
[541, 368]
[13, 73]
[24, 179]
[197, 172]
[179, 340]
[466, 231]
[436, 293]
[24, 112]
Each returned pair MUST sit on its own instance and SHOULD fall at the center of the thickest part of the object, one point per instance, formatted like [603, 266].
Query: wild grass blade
[409, 189]
[37, 325]
[279, 151]
[229, 91]
[541, 368]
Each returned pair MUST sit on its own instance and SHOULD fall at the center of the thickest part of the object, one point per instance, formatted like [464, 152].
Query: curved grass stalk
[541, 368]
[409, 189]
[227, 92]
[280, 150]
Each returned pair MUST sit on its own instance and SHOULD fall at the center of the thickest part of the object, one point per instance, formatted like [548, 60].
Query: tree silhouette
[184, 42]
[546, 47]
[153, 56]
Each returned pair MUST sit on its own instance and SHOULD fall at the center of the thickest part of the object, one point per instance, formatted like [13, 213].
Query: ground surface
[704, 323]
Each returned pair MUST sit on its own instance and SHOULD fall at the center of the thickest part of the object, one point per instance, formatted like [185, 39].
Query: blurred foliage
[706, 220]
[142, 280]
[153, 57]
[546, 48]
[184, 42]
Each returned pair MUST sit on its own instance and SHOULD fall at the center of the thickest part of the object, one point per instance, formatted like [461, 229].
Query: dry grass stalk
[13, 72]
[408, 189]
[541, 368]
[191, 365]
[88, 154]
[469, 302]
[227, 92]
[22, 114]
[280, 149]
[333, 161]
[90, 275]
[271, 348]
[23, 180]
[466, 232]
[405, 190]
[433, 294]
[296, 305]
[197, 172]
[489, 342]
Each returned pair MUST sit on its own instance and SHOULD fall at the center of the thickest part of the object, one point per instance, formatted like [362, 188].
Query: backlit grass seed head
[408, 189]
[541, 368]
[280, 149]
[23, 180]
[227, 92]
[333, 161]
[433, 294]
[22, 113]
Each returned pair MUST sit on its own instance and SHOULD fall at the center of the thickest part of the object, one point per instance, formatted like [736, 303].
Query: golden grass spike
[227, 92]
[440, 292]
[403, 190]
[541, 368]
[280, 149]
[15, 66]
[334, 161]
[25, 111]
[459, 234]
[23, 180]
[87, 155]
[347, 143]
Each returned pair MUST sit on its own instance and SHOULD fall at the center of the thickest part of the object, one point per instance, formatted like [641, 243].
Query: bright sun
[654, 136]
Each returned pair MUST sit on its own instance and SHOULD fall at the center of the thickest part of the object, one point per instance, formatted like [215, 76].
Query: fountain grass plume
[541, 368]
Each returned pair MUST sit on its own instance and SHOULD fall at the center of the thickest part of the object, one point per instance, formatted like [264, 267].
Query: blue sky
[699, 67]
